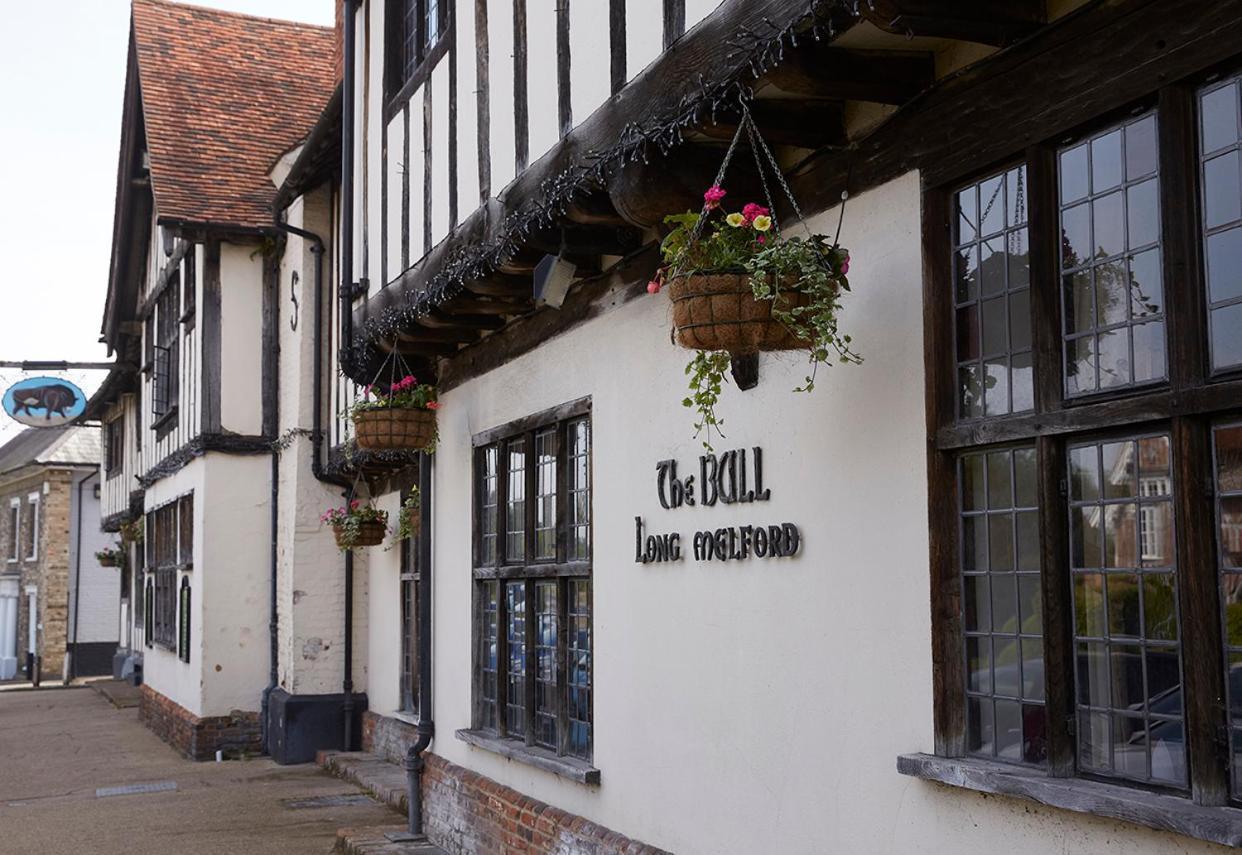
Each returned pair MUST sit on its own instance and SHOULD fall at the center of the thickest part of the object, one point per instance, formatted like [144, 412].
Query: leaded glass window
[1002, 606]
[1126, 633]
[423, 25]
[532, 482]
[992, 280]
[1112, 285]
[1228, 482]
[1220, 153]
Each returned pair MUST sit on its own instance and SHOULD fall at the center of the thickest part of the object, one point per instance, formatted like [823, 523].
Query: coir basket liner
[369, 534]
[718, 311]
[395, 428]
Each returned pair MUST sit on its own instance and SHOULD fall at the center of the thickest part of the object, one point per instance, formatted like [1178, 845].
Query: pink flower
[845, 267]
[761, 239]
[653, 287]
[751, 210]
[353, 506]
[711, 199]
[433, 405]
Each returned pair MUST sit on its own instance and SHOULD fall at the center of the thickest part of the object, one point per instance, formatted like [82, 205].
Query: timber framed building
[999, 557]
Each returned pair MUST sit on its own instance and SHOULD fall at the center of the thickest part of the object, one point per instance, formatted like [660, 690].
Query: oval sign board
[44, 402]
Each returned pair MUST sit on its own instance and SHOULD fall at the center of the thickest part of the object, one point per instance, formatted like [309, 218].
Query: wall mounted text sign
[44, 402]
[729, 478]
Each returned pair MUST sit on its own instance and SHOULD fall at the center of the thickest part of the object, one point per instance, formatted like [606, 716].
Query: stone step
[383, 780]
[374, 841]
[386, 783]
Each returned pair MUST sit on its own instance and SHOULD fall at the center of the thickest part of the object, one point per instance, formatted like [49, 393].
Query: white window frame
[15, 521]
[34, 500]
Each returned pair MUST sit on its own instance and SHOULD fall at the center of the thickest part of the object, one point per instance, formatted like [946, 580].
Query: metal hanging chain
[697, 231]
[758, 142]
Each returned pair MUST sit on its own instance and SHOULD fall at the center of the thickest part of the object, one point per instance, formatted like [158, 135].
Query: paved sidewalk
[63, 752]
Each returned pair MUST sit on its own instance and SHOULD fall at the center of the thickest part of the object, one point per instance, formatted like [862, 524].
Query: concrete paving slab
[58, 748]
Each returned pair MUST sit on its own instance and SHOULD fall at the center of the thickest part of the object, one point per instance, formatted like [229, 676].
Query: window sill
[566, 767]
[165, 419]
[1222, 825]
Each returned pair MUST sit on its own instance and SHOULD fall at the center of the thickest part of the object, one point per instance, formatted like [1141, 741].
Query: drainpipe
[425, 728]
[273, 628]
[347, 187]
[77, 584]
[317, 469]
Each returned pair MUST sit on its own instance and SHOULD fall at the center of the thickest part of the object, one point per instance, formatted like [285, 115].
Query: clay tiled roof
[223, 96]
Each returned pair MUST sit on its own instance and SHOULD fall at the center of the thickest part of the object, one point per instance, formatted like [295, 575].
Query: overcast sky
[62, 65]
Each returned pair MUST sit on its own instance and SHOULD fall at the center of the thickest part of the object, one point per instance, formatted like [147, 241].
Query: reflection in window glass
[1111, 287]
[545, 493]
[579, 489]
[579, 667]
[1002, 606]
[1228, 466]
[489, 502]
[1221, 153]
[547, 628]
[991, 283]
[515, 511]
[515, 643]
[1126, 637]
[489, 663]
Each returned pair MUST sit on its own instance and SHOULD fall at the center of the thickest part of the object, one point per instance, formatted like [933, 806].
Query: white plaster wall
[396, 171]
[541, 58]
[440, 153]
[590, 63]
[232, 580]
[162, 670]
[99, 590]
[644, 35]
[753, 706]
[310, 587]
[467, 116]
[383, 580]
[418, 173]
[241, 322]
[697, 10]
[500, 91]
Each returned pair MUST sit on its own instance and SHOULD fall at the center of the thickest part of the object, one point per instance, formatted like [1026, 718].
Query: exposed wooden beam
[407, 347]
[645, 193]
[883, 76]
[579, 240]
[501, 285]
[984, 21]
[521, 263]
[594, 209]
[486, 306]
[440, 319]
[787, 121]
[438, 335]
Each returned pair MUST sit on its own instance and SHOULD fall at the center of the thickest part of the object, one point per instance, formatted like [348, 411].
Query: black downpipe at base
[274, 614]
[348, 685]
[426, 728]
[346, 304]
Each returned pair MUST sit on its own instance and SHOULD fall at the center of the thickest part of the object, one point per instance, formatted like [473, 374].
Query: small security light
[552, 278]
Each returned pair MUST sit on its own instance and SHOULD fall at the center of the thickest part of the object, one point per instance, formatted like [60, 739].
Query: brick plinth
[237, 734]
[468, 813]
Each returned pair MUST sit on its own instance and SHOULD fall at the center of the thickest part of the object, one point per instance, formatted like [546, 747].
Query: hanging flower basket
[357, 525]
[394, 429]
[718, 311]
[364, 534]
[738, 285]
[109, 557]
[402, 418]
